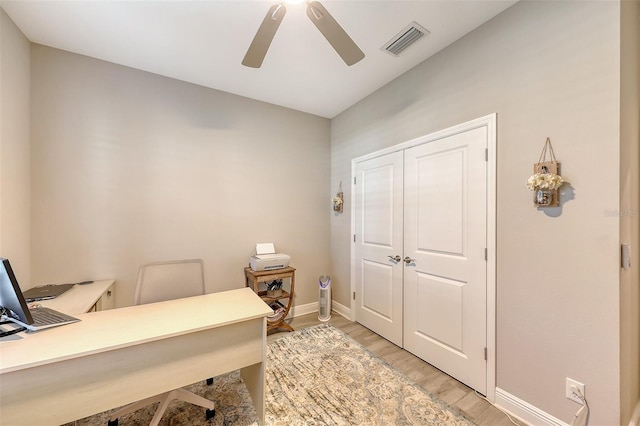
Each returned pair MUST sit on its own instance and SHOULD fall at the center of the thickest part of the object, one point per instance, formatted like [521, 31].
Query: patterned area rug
[315, 376]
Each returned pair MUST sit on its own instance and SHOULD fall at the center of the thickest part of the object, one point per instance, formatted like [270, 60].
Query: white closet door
[445, 216]
[378, 227]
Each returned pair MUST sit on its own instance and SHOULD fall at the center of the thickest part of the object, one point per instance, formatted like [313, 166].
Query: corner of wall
[15, 141]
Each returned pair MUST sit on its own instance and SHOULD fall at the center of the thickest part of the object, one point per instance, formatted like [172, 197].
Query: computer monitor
[11, 298]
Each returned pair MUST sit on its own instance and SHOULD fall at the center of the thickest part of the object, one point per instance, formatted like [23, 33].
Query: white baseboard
[299, 310]
[341, 309]
[309, 308]
[524, 411]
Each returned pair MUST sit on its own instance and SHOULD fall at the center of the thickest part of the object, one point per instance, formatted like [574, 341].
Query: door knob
[408, 260]
[396, 258]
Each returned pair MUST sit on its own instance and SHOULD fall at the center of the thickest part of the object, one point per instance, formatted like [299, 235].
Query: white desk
[118, 356]
[79, 299]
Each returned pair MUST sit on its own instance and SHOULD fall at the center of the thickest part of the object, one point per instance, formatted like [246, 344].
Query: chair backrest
[175, 279]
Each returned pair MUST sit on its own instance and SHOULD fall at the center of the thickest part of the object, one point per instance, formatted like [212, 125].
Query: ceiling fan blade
[333, 32]
[262, 40]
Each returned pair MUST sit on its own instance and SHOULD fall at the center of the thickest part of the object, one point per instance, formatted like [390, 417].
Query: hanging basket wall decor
[546, 179]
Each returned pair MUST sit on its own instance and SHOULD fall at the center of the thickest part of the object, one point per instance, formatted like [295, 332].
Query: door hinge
[485, 354]
[354, 295]
[486, 254]
[354, 180]
[486, 154]
[354, 238]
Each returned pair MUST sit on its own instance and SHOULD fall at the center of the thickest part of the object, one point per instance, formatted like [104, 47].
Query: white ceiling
[204, 41]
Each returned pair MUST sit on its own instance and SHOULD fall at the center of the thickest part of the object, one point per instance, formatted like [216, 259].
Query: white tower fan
[324, 304]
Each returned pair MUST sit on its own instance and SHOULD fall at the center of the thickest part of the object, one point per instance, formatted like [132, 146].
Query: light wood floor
[428, 377]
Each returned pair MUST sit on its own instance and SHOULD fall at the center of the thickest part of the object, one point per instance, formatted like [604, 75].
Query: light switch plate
[626, 256]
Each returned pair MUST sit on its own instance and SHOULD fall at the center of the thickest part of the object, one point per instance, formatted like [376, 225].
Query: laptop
[45, 292]
[14, 308]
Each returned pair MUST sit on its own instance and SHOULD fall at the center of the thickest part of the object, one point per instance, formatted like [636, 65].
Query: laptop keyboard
[46, 316]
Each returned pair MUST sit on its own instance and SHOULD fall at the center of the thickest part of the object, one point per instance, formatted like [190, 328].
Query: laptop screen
[11, 298]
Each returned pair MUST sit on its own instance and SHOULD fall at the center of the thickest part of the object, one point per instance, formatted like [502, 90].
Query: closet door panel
[439, 203]
[379, 237]
[445, 239]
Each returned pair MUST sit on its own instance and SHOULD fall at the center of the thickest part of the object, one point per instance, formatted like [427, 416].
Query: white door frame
[488, 121]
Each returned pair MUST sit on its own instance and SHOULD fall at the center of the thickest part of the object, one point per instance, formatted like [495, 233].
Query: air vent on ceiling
[405, 38]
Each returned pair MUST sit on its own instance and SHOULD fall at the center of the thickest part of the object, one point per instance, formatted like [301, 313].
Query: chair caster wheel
[210, 381]
[112, 422]
[210, 414]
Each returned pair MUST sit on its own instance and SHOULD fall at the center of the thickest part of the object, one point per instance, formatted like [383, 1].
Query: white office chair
[158, 282]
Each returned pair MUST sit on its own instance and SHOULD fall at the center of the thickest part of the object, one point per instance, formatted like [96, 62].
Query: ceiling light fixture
[321, 18]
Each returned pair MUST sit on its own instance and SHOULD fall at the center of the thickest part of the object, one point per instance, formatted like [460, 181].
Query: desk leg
[254, 378]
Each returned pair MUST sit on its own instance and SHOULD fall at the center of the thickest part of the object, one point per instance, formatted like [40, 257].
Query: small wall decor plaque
[546, 178]
[338, 200]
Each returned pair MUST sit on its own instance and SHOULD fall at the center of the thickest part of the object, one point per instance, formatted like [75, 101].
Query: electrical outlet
[571, 394]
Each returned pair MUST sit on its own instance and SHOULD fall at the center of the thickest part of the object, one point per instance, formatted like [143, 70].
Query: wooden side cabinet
[106, 301]
[281, 303]
[97, 296]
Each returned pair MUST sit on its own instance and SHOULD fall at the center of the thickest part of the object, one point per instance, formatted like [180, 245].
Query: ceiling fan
[322, 19]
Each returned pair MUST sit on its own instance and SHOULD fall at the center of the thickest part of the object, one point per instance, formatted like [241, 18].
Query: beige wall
[131, 167]
[14, 147]
[548, 69]
[630, 207]
[128, 167]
